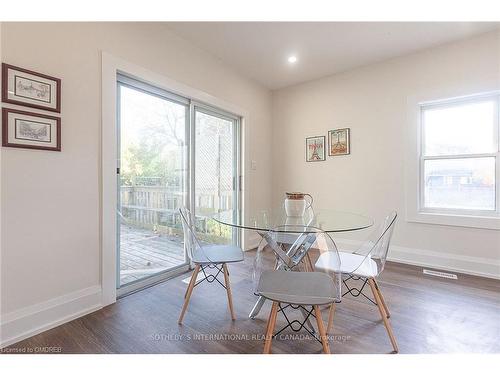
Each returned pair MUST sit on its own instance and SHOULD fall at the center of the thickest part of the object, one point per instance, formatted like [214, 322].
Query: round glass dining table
[268, 223]
[276, 220]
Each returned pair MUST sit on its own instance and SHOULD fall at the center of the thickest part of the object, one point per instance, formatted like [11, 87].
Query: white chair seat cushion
[350, 263]
[218, 254]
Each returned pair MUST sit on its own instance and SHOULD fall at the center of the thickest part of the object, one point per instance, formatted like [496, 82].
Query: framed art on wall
[30, 130]
[31, 89]
[315, 148]
[339, 142]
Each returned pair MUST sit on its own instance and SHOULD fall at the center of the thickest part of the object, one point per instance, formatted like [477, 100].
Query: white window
[459, 157]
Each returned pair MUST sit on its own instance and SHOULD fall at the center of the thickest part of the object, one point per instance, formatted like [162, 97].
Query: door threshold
[139, 285]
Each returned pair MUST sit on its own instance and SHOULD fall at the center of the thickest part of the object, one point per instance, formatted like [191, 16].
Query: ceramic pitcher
[296, 204]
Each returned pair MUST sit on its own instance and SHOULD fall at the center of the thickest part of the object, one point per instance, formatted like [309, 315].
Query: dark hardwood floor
[428, 315]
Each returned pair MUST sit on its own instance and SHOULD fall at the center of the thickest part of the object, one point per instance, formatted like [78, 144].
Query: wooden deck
[144, 252]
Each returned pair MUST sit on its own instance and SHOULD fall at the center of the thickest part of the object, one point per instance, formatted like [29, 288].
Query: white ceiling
[260, 50]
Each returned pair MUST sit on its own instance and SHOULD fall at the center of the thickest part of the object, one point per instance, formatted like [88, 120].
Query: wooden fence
[149, 206]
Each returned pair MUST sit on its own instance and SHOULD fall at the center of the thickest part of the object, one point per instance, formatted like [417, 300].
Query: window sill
[469, 221]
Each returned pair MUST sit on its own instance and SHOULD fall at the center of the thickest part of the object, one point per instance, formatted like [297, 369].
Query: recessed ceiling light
[292, 59]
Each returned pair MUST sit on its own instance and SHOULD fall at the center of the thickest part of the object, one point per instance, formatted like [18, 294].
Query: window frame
[422, 158]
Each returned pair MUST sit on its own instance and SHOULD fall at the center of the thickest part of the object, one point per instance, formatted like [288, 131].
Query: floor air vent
[440, 274]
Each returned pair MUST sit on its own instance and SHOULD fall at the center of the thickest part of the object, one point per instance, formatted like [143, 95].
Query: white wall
[51, 204]
[373, 102]
[50, 200]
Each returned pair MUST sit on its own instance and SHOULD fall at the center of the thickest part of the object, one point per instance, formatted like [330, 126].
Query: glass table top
[277, 221]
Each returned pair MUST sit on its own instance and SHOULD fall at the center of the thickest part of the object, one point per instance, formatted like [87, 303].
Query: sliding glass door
[152, 182]
[172, 152]
[216, 171]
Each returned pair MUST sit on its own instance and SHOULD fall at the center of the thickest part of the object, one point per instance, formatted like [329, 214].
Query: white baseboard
[477, 266]
[23, 323]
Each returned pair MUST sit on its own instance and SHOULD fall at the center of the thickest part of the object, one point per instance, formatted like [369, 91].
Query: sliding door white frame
[111, 67]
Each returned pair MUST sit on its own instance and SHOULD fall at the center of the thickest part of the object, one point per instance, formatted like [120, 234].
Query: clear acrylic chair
[206, 257]
[365, 265]
[280, 280]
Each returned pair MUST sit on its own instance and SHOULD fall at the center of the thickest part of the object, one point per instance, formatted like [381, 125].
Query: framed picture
[339, 142]
[30, 130]
[315, 148]
[31, 89]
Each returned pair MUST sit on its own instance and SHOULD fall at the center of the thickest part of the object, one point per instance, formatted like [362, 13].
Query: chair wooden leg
[228, 290]
[270, 328]
[388, 314]
[383, 314]
[330, 318]
[321, 330]
[192, 282]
